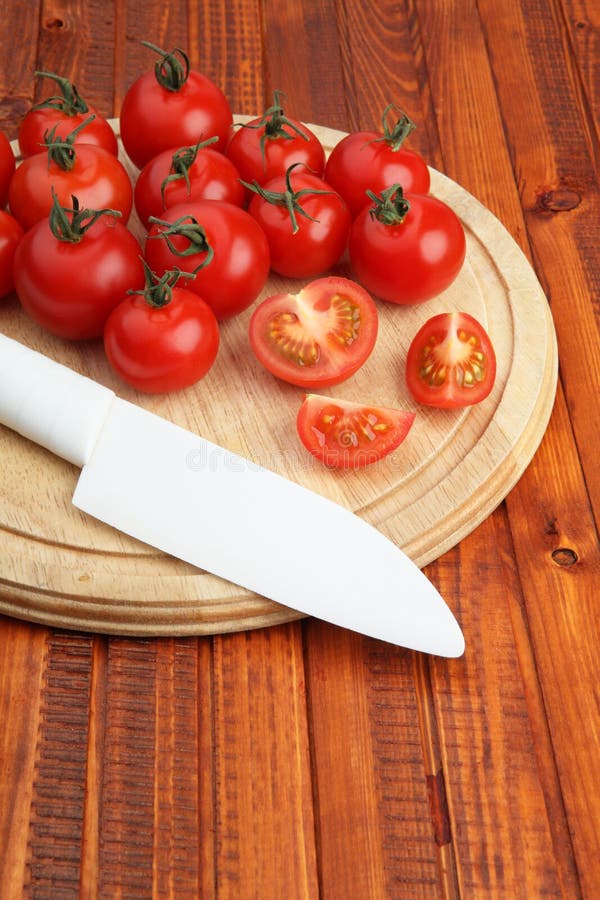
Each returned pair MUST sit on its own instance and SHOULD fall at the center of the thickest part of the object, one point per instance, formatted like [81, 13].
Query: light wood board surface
[60, 567]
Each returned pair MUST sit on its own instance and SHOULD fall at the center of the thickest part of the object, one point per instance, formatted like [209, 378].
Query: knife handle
[50, 403]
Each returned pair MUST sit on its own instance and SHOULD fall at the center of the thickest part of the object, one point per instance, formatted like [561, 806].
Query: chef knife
[220, 511]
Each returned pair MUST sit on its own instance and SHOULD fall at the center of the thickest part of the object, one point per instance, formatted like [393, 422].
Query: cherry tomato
[64, 112]
[188, 173]
[224, 240]
[7, 167]
[371, 160]
[90, 173]
[451, 362]
[11, 234]
[164, 338]
[173, 106]
[318, 337]
[72, 268]
[267, 146]
[305, 221]
[347, 435]
[406, 249]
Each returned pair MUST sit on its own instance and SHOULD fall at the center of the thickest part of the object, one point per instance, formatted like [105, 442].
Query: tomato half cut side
[318, 337]
[451, 362]
[348, 435]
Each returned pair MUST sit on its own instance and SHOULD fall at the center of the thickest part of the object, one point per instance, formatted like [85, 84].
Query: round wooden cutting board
[62, 568]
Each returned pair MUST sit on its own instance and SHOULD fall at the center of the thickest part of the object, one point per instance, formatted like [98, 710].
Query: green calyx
[70, 224]
[68, 101]
[395, 136]
[62, 150]
[158, 290]
[288, 198]
[391, 206]
[189, 228]
[172, 69]
[276, 125]
[181, 163]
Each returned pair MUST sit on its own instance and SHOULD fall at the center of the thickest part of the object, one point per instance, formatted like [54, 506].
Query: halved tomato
[348, 435]
[317, 337]
[451, 362]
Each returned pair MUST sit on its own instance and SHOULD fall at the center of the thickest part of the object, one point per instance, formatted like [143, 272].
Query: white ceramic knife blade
[197, 501]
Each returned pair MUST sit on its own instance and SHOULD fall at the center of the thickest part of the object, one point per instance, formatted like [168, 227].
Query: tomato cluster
[222, 206]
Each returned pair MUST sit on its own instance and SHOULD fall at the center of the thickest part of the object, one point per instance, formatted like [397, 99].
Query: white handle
[50, 403]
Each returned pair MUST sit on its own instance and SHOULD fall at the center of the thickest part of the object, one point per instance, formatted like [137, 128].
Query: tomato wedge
[451, 362]
[348, 435]
[317, 337]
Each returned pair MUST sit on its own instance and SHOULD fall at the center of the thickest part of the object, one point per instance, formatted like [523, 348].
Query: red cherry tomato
[371, 160]
[406, 249]
[64, 112]
[318, 337]
[174, 106]
[237, 272]
[451, 362]
[305, 221]
[7, 168]
[188, 173]
[162, 341]
[267, 146]
[69, 285]
[92, 174]
[347, 435]
[11, 234]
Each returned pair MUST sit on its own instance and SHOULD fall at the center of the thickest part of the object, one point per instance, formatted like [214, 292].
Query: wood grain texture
[302, 760]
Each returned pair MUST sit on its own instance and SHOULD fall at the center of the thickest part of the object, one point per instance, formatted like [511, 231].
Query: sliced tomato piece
[348, 435]
[317, 337]
[451, 362]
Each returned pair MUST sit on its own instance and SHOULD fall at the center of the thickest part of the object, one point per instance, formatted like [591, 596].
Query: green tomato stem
[70, 224]
[68, 102]
[288, 198]
[169, 71]
[391, 206]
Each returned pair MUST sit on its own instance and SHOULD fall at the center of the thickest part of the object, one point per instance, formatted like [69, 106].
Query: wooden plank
[266, 843]
[373, 691]
[22, 664]
[503, 829]
[152, 813]
[58, 800]
[17, 65]
[561, 202]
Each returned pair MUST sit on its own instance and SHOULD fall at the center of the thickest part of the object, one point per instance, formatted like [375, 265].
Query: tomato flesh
[451, 362]
[319, 336]
[348, 435]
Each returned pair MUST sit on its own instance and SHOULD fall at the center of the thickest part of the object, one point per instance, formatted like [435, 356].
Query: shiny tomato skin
[11, 234]
[412, 261]
[319, 241]
[361, 162]
[244, 150]
[212, 177]
[451, 362]
[348, 435]
[70, 288]
[97, 179]
[8, 165]
[161, 349]
[240, 267]
[318, 337]
[37, 122]
[154, 119]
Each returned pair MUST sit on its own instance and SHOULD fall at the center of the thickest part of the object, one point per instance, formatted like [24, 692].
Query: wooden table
[303, 760]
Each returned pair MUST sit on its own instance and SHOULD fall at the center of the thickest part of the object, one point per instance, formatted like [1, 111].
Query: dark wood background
[304, 761]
